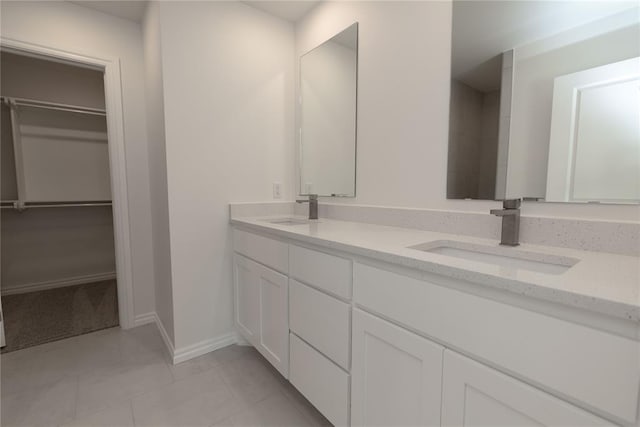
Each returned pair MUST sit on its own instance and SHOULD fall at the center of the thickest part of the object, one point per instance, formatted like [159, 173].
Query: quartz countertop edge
[600, 282]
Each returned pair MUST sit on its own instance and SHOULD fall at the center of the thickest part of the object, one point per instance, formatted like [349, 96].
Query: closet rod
[22, 206]
[54, 106]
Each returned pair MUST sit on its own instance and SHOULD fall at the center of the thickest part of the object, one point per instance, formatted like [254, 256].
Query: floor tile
[141, 342]
[71, 358]
[250, 379]
[49, 405]
[195, 366]
[123, 378]
[234, 352]
[199, 400]
[275, 410]
[116, 416]
[116, 384]
[304, 406]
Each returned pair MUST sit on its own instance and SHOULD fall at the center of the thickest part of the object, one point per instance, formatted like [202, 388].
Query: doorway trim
[117, 159]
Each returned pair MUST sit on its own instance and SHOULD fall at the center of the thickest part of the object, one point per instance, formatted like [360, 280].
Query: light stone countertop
[601, 282]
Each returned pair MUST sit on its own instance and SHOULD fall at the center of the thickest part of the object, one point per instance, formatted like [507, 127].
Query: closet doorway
[60, 274]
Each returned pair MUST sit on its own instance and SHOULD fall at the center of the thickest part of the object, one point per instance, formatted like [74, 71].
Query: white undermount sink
[288, 221]
[500, 256]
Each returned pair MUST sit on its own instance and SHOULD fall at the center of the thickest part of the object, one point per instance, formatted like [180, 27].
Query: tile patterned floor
[123, 378]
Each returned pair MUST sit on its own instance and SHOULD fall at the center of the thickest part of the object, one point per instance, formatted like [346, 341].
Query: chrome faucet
[313, 205]
[510, 214]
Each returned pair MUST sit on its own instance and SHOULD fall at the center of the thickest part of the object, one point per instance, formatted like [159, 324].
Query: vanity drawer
[270, 252]
[321, 320]
[327, 272]
[584, 364]
[323, 383]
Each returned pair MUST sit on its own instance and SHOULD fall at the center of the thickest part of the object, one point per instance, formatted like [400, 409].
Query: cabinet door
[396, 375]
[246, 277]
[476, 395]
[274, 319]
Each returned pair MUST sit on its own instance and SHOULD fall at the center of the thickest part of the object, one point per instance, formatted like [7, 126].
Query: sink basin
[500, 256]
[288, 221]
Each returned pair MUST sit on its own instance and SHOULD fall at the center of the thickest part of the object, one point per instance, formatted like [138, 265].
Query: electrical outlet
[277, 190]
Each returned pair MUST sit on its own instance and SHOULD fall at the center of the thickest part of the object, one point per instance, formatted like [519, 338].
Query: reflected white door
[594, 151]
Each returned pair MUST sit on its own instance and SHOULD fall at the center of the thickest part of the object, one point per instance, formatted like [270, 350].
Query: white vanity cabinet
[293, 305]
[396, 375]
[320, 324]
[476, 395]
[369, 343]
[402, 379]
[261, 310]
[262, 296]
[246, 278]
[584, 365]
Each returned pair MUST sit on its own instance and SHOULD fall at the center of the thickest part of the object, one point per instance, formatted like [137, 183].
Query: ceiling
[132, 9]
[289, 10]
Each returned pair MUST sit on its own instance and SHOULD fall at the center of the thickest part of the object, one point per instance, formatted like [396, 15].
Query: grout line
[75, 406]
[133, 413]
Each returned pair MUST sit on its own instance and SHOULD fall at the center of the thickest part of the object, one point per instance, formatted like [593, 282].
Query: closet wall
[50, 247]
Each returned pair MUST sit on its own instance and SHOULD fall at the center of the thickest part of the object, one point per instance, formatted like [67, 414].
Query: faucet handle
[311, 197]
[511, 203]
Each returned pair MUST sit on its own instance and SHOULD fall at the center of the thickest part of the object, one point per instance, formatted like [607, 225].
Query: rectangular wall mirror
[545, 101]
[328, 99]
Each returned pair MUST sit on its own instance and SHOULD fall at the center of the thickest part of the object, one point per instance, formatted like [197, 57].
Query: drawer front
[321, 320]
[587, 365]
[324, 384]
[327, 272]
[267, 251]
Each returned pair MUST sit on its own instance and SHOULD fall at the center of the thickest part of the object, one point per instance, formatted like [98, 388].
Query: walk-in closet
[57, 243]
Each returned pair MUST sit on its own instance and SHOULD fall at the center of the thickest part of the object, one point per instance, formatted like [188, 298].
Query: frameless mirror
[328, 89]
[545, 101]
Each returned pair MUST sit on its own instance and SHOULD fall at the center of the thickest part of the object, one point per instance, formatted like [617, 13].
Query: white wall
[403, 105]
[52, 247]
[77, 29]
[229, 106]
[158, 168]
[533, 97]
[22, 77]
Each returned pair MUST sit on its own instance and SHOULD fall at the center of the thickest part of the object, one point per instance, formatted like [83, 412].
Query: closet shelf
[22, 206]
[54, 106]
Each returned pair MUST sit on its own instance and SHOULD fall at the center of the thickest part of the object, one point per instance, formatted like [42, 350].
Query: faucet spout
[313, 205]
[510, 222]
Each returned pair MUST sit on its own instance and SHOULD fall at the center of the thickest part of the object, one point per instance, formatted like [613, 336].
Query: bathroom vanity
[379, 325]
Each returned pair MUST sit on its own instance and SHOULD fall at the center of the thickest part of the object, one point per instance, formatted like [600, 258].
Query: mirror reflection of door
[547, 40]
[594, 150]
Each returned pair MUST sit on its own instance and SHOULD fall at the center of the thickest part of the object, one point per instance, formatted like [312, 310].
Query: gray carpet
[38, 317]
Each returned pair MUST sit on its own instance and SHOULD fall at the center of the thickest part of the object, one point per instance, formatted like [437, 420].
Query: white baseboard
[58, 283]
[144, 319]
[192, 351]
[165, 337]
[189, 352]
